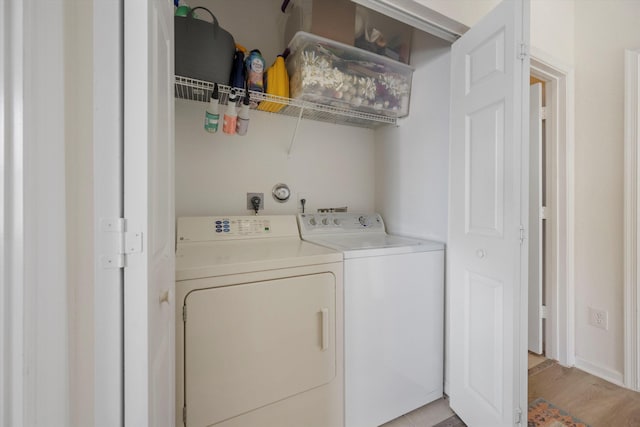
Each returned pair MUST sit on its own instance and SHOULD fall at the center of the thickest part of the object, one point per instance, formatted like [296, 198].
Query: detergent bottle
[255, 71]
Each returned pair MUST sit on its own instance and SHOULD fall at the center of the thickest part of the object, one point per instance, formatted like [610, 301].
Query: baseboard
[606, 374]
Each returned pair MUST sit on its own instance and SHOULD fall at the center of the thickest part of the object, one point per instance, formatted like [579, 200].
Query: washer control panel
[339, 222]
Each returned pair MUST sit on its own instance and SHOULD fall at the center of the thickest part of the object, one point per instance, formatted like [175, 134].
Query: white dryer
[259, 328]
[394, 315]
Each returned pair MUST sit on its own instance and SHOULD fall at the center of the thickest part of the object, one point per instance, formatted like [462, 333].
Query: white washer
[259, 327]
[394, 315]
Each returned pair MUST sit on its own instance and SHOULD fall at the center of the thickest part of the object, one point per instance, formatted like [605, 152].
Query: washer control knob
[312, 221]
[364, 221]
[336, 221]
[325, 221]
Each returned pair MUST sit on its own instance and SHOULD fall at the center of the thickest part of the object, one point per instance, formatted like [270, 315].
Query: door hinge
[521, 234]
[517, 416]
[544, 312]
[543, 212]
[184, 415]
[184, 313]
[543, 113]
[524, 51]
[123, 242]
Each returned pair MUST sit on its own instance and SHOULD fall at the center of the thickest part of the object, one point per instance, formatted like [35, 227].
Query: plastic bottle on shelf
[277, 83]
[238, 72]
[255, 71]
[182, 8]
[212, 114]
[230, 118]
[243, 116]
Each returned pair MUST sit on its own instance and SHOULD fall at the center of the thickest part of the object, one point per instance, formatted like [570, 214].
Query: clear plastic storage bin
[332, 73]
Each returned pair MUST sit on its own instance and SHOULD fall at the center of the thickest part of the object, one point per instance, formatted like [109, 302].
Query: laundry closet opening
[402, 171]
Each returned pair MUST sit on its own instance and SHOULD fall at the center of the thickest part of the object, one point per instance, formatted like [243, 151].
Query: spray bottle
[243, 116]
[230, 118]
[212, 114]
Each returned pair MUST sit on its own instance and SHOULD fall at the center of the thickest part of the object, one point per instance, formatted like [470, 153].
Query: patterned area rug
[541, 414]
[544, 414]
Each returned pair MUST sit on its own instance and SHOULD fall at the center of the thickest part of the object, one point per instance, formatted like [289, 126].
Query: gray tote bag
[203, 50]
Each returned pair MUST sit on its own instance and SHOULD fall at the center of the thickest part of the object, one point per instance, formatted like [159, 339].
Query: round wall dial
[281, 193]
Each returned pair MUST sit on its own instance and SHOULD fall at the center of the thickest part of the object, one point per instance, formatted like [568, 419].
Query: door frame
[16, 394]
[631, 220]
[108, 93]
[559, 247]
[35, 317]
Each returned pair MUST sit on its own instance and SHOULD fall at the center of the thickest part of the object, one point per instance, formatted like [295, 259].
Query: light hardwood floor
[595, 401]
[426, 416]
[535, 360]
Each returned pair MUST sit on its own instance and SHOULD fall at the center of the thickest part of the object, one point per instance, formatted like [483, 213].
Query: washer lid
[374, 244]
[208, 259]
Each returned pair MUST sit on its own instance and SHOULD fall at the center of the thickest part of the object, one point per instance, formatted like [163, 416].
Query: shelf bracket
[295, 132]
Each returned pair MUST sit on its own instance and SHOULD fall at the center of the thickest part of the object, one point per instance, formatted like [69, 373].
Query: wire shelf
[200, 90]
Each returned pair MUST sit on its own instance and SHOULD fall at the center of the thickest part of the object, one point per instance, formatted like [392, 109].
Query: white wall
[553, 28]
[552, 21]
[420, 205]
[198, 191]
[603, 30]
[253, 24]
[412, 159]
[35, 216]
[332, 164]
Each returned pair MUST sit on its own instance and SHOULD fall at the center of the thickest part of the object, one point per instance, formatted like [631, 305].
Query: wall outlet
[251, 196]
[599, 318]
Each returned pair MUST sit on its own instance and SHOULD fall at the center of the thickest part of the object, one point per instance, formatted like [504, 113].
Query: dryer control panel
[214, 228]
[339, 222]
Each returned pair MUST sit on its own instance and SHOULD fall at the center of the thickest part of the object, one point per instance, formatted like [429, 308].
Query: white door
[149, 278]
[535, 218]
[486, 259]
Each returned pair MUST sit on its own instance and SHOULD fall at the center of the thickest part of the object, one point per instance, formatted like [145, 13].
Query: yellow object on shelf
[277, 85]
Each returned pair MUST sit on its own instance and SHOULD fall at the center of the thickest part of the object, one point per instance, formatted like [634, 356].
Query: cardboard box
[394, 37]
[333, 19]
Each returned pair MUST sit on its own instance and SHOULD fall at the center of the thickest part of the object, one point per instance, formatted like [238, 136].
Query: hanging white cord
[295, 132]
